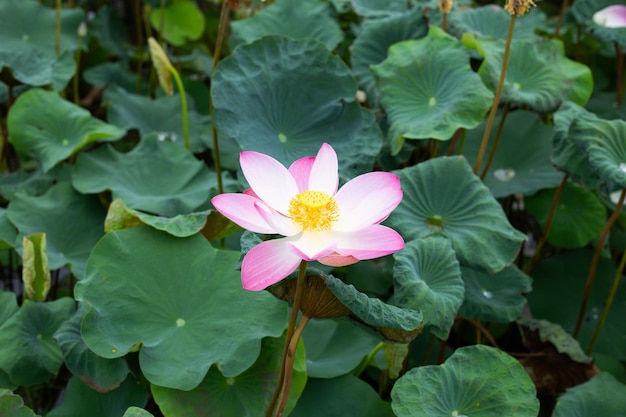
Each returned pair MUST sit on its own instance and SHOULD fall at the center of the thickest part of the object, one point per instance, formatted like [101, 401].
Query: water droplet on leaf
[504, 174]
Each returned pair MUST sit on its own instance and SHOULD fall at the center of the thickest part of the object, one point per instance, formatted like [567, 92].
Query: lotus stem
[620, 74]
[140, 52]
[295, 308]
[57, 28]
[594, 262]
[82, 31]
[291, 355]
[183, 103]
[564, 7]
[496, 100]
[223, 23]
[530, 264]
[496, 142]
[607, 304]
[367, 359]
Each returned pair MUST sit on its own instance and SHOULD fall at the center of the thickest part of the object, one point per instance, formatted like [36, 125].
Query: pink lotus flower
[319, 223]
[611, 17]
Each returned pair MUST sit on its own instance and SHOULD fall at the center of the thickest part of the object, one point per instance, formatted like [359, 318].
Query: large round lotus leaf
[31, 182]
[522, 161]
[137, 412]
[27, 36]
[346, 395]
[583, 11]
[443, 196]
[429, 90]
[335, 347]
[28, 353]
[7, 231]
[602, 395]
[428, 278]
[80, 400]
[374, 39]
[538, 75]
[379, 8]
[116, 73]
[72, 222]
[247, 394]
[12, 405]
[98, 373]
[284, 97]
[589, 222]
[565, 274]
[571, 124]
[476, 381]
[492, 21]
[158, 177]
[183, 326]
[108, 28]
[162, 116]
[292, 18]
[50, 129]
[182, 21]
[8, 305]
[497, 298]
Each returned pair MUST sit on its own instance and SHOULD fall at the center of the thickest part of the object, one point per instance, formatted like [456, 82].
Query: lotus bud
[82, 30]
[445, 5]
[162, 65]
[611, 17]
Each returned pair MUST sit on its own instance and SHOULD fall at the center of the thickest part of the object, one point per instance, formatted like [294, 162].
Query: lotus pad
[285, 97]
[522, 162]
[28, 42]
[602, 395]
[443, 196]
[497, 298]
[50, 129]
[28, 354]
[157, 177]
[427, 278]
[429, 90]
[180, 300]
[12, 405]
[492, 21]
[72, 222]
[539, 75]
[476, 381]
[374, 39]
[292, 18]
[583, 11]
[182, 21]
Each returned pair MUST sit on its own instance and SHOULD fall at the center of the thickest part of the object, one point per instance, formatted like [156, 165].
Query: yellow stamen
[315, 211]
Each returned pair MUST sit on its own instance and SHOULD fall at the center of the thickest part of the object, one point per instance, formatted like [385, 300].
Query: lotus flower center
[315, 211]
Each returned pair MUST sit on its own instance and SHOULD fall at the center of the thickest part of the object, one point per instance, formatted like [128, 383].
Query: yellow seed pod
[162, 65]
[445, 5]
[518, 7]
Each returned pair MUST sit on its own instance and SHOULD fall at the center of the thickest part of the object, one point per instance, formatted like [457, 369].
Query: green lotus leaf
[247, 394]
[285, 97]
[290, 18]
[443, 196]
[80, 400]
[51, 129]
[602, 395]
[558, 337]
[429, 90]
[121, 217]
[522, 161]
[379, 8]
[335, 347]
[583, 11]
[72, 222]
[346, 395]
[492, 21]
[395, 323]
[28, 353]
[182, 21]
[476, 381]
[589, 222]
[497, 298]
[98, 373]
[109, 73]
[8, 305]
[108, 28]
[538, 75]
[12, 405]
[182, 327]
[571, 126]
[7, 231]
[374, 39]
[565, 274]
[27, 35]
[158, 177]
[31, 182]
[428, 278]
[137, 412]
[162, 116]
